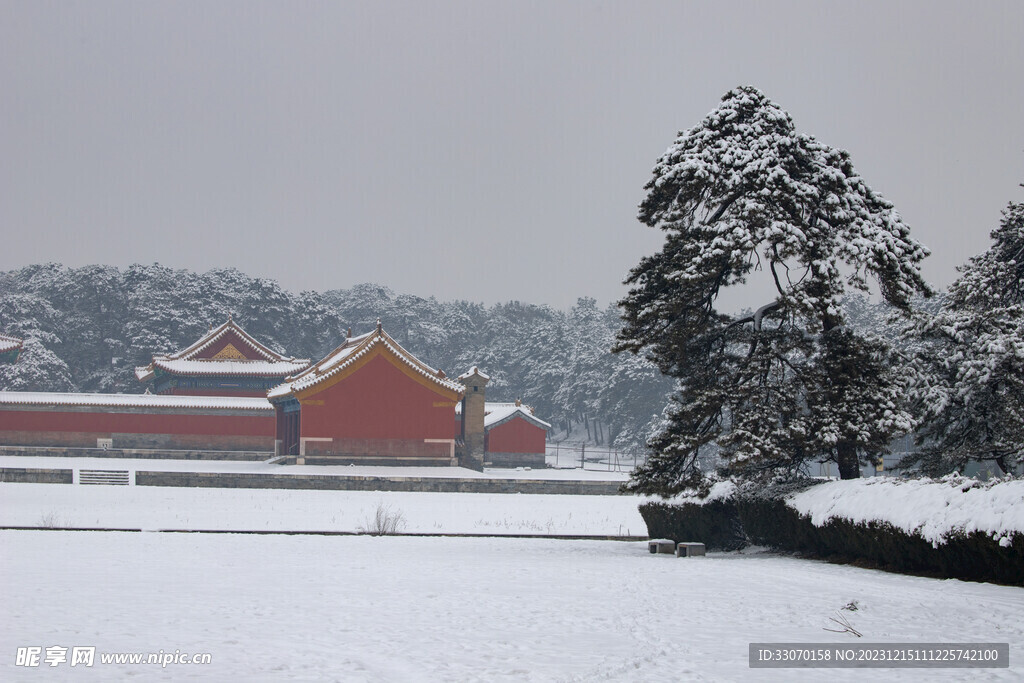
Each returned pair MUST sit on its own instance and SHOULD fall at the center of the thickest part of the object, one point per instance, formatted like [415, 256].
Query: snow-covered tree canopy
[743, 191]
[747, 191]
[969, 385]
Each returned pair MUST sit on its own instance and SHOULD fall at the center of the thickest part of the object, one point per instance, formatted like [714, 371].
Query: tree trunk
[849, 467]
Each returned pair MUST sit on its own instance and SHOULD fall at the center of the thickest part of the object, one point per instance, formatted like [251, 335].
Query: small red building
[513, 435]
[369, 401]
[227, 361]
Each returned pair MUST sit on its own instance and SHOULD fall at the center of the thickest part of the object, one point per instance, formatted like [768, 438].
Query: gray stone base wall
[30, 475]
[366, 483]
[512, 460]
[387, 450]
[407, 461]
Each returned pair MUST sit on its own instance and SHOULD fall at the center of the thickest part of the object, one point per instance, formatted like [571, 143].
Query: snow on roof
[508, 411]
[186, 361]
[231, 367]
[473, 370]
[350, 351]
[38, 398]
[488, 406]
[496, 412]
[9, 343]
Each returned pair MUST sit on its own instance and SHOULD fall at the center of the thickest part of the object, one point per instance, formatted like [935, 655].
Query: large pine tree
[791, 382]
[969, 386]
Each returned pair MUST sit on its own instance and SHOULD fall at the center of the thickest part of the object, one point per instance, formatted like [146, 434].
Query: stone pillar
[473, 418]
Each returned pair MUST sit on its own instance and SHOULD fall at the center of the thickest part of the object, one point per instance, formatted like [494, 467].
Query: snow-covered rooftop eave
[42, 398]
[473, 370]
[9, 344]
[237, 368]
[211, 337]
[347, 354]
[500, 417]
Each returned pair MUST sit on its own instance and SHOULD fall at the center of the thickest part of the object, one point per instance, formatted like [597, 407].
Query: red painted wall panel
[516, 436]
[379, 401]
[134, 423]
[177, 442]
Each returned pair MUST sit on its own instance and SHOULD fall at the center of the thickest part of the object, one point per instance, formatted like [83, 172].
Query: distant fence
[583, 456]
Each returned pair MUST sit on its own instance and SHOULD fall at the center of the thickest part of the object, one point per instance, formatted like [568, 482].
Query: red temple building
[369, 401]
[227, 361]
[10, 347]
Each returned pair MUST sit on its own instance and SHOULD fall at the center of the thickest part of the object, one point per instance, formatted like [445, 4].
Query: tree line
[86, 329]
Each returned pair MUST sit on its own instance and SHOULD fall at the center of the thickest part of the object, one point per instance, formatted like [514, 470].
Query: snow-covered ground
[462, 609]
[155, 507]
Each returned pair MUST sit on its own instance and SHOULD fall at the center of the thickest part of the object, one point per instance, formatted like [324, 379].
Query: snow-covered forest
[85, 329]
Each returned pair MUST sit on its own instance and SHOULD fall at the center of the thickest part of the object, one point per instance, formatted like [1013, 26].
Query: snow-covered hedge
[935, 509]
[952, 527]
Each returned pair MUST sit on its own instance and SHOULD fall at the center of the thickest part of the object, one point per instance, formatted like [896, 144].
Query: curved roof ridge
[356, 347]
[408, 355]
[271, 364]
[504, 414]
[213, 335]
[9, 343]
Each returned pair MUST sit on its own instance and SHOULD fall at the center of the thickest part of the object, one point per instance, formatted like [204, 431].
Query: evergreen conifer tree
[790, 382]
[969, 385]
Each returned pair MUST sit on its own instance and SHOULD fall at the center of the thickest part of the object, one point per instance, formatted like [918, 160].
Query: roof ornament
[378, 325]
[349, 335]
[519, 402]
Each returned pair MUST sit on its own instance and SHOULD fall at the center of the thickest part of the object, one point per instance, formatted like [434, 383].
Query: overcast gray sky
[479, 150]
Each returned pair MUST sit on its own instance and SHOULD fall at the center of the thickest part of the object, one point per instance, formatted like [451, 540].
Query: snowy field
[156, 507]
[462, 609]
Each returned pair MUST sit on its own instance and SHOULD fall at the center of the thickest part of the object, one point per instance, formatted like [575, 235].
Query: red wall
[135, 423]
[516, 436]
[379, 401]
[171, 442]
